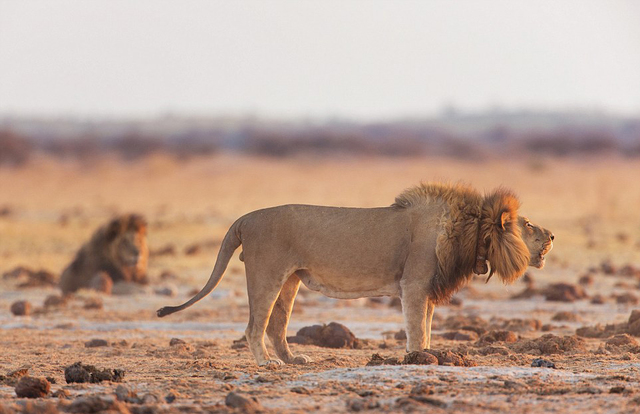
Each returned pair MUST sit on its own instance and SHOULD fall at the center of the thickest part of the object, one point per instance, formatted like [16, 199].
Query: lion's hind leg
[263, 292]
[279, 321]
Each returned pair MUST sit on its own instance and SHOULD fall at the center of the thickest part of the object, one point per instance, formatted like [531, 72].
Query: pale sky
[354, 59]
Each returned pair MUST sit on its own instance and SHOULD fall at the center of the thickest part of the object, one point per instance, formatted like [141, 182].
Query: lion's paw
[269, 363]
[300, 359]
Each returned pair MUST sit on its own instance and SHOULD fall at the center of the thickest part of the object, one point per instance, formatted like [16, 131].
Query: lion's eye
[529, 224]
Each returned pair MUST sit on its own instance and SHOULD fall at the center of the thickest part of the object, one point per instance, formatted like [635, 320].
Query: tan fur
[118, 249]
[422, 248]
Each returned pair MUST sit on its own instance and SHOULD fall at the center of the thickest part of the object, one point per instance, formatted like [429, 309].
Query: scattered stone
[451, 358]
[93, 303]
[21, 308]
[168, 275]
[88, 373]
[61, 394]
[630, 271]
[626, 299]
[97, 404]
[362, 404]
[177, 341]
[300, 390]
[598, 299]
[377, 359]
[192, 250]
[460, 335]
[40, 278]
[56, 301]
[125, 394]
[96, 343]
[247, 405]
[565, 316]
[586, 280]
[550, 344]
[420, 358]
[31, 387]
[172, 396]
[166, 250]
[400, 335]
[497, 336]
[518, 325]
[564, 292]
[608, 268]
[334, 335]
[542, 363]
[150, 398]
[527, 293]
[621, 340]
[167, 290]
[12, 378]
[493, 350]
[240, 343]
[617, 389]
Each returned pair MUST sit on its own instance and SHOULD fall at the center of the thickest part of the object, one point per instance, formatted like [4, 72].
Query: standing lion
[116, 252]
[422, 248]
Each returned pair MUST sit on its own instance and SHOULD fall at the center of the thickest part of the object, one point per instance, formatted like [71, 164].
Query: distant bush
[15, 149]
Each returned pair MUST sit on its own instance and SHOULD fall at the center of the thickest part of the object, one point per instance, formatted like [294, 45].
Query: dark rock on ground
[96, 343]
[31, 387]
[333, 335]
[88, 373]
[21, 308]
[542, 363]
[247, 405]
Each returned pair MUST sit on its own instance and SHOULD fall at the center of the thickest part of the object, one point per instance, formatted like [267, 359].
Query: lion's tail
[229, 245]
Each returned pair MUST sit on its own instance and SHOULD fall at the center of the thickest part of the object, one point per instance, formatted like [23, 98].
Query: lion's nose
[552, 236]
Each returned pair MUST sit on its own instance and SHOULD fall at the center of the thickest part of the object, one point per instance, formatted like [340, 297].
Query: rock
[420, 358]
[167, 290]
[497, 336]
[400, 335]
[96, 343]
[564, 292]
[247, 405]
[101, 282]
[626, 299]
[97, 404]
[619, 389]
[166, 250]
[550, 344]
[598, 299]
[460, 335]
[542, 363]
[61, 394]
[334, 335]
[150, 398]
[125, 394]
[93, 303]
[172, 396]
[586, 280]
[451, 358]
[377, 359]
[12, 378]
[301, 390]
[608, 268]
[31, 387]
[55, 301]
[88, 373]
[565, 316]
[40, 278]
[21, 308]
[192, 250]
[521, 325]
[621, 340]
[362, 404]
[127, 288]
[176, 341]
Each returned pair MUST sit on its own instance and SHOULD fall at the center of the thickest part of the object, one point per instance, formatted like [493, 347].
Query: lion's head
[539, 241]
[126, 240]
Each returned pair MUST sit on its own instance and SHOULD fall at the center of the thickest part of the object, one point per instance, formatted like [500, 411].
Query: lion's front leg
[430, 308]
[414, 309]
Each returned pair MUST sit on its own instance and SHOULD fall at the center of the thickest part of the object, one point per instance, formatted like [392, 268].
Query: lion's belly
[343, 287]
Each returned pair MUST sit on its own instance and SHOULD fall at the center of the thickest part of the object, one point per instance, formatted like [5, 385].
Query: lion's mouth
[540, 260]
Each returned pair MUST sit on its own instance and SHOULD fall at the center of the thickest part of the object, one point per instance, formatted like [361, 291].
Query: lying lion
[116, 252]
[422, 248]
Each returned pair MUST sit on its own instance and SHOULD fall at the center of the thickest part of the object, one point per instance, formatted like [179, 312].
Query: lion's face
[129, 247]
[539, 241]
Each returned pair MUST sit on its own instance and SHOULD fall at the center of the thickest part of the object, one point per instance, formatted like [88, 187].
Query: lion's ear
[504, 219]
[113, 229]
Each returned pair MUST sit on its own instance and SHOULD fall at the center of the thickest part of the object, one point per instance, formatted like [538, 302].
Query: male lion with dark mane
[116, 252]
[423, 248]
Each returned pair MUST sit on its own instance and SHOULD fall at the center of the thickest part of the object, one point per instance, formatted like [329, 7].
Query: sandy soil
[50, 208]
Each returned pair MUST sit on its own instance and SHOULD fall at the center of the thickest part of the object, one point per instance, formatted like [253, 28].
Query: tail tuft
[167, 310]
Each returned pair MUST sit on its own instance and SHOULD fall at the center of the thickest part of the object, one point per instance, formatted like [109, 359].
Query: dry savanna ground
[577, 313]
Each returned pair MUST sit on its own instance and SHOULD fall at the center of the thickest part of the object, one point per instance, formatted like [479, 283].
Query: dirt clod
[542, 363]
[550, 344]
[93, 303]
[564, 292]
[88, 373]
[621, 340]
[362, 404]
[247, 405]
[55, 301]
[565, 316]
[420, 358]
[451, 358]
[333, 335]
[462, 335]
[97, 404]
[21, 308]
[497, 336]
[31, 387]
[377, 359]
[96, 343]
